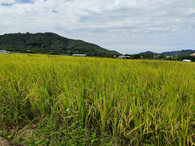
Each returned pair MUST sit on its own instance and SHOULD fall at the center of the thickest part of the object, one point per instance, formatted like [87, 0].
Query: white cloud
[115, 24]
[7, 1]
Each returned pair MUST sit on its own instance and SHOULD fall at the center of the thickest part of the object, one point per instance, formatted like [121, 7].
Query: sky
[126, 26]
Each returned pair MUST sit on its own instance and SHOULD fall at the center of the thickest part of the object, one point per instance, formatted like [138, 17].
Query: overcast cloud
[127, 26]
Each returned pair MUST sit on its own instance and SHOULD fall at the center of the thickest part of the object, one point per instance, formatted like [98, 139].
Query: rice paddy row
[129, 101]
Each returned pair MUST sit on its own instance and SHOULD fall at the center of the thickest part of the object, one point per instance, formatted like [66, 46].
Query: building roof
[192, 54]
[4, 52]
[78, 54]
[186, 60]
[123, 57]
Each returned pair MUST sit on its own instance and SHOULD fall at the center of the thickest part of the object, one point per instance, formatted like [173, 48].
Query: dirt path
[4, 142]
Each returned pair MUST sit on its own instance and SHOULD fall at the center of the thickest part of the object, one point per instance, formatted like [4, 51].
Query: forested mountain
[171, 53]
[148, 52]
[178, 53]
[50, 43]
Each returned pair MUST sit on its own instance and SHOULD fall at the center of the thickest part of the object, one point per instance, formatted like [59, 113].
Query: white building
[193, 54]
[186, 60]
[4, 52]
[123, 57]
[81, 55]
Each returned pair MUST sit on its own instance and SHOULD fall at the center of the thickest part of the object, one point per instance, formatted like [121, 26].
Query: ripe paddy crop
[127, 102]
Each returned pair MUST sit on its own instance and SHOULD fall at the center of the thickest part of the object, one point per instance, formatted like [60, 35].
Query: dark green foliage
[171, 53]
[148, 55]
[178, 53]
[148, 52]
[161, 56]
[136, 56]
[72, 134]
[50, 43]
[180, 58]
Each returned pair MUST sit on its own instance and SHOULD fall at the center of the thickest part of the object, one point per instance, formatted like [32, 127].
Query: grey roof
[123, 57]
[4, 52]
[78, 54]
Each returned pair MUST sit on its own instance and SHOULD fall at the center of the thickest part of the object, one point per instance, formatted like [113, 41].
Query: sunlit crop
[136, 101]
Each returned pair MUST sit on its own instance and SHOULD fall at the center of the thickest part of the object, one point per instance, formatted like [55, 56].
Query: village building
[4, 52]
[155, 56]
[123, 57]
[193, 55]
[186, 60]
[81, 55]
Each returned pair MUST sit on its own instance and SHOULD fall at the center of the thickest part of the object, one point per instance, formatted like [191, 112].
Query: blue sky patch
[16, 1]
[5, 4]
[24, 1]
[54, 11]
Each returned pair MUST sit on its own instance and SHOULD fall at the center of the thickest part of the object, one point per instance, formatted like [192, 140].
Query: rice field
[129, 102]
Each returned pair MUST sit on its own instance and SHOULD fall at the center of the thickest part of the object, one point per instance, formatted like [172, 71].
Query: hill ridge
[50, 43]
[171, 53]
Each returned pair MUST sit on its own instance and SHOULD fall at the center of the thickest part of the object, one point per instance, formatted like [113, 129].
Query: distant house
[193, 55]
[186, 60]
[123, 57]
[4, 52]
[157, 55]
[81, 55]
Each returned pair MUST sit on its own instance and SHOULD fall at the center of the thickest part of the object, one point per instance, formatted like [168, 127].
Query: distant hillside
[50, 43]
[178, 53]
[148, 52]
[171, 53]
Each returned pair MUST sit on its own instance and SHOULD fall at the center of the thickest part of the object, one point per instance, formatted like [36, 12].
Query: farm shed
[81, 55]
[4, 52]
[193, 54]
[123, 57]
[186, 60]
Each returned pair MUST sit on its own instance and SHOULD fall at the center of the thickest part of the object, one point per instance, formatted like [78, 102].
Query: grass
[89, 101]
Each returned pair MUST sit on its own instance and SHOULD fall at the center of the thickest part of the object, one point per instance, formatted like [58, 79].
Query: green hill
[148, 52]
[178, 53]
[50, 43]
